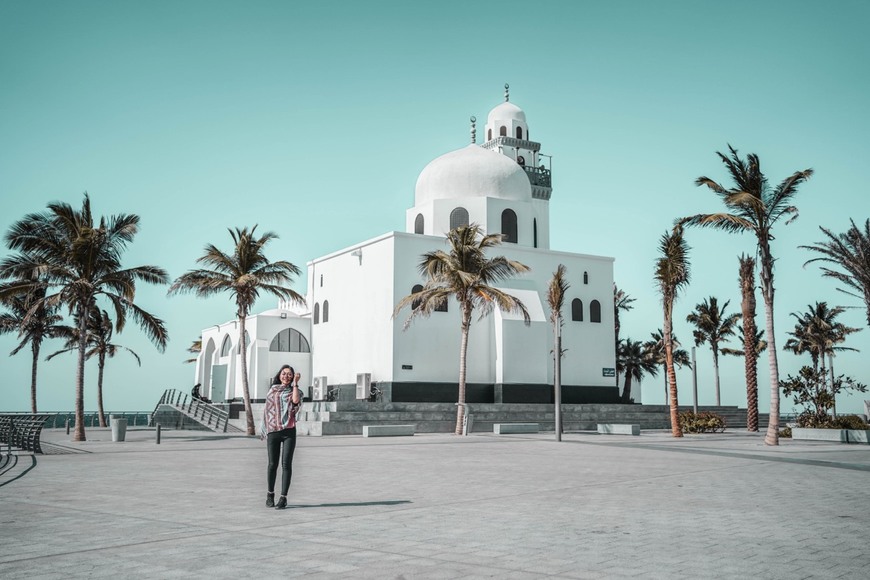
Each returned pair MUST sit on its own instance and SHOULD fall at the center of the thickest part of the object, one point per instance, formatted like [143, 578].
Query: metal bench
[22, 431]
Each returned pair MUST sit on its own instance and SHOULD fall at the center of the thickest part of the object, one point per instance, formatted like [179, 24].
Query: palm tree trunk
[34, 348]
[626, 390]
[672, 378]
[463, 350]
[772, 436]
[750, 356]
[100, 366]
[246, 393]
[79, 433]
[716, 374]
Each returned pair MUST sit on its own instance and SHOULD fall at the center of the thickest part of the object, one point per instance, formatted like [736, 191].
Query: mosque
[346, 335]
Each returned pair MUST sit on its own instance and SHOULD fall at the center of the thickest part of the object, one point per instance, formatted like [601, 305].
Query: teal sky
[313, 120]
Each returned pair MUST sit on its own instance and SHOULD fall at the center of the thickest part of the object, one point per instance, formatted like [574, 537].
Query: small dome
[505, 112]
[472, 172]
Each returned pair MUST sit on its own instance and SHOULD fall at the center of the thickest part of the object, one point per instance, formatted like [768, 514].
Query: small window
[226, 346]
[415, 304]
[321, 280]
[595, 311]
[289, 340]
[503, 131]
[509, 226]
[489, 134]
[519, 132]
[316, 313]
[458, 217]
[535, 232]
[585, 277]
[326, 311]
[418, 224]
[577, 310]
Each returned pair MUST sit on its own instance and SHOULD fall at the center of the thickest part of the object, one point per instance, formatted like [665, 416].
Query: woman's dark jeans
[274, 442]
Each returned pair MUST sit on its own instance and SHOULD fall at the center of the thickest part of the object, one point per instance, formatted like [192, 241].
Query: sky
[314, 119]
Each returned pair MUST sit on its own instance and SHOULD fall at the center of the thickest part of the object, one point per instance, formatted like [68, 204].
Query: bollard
[67, 425]
[158, 433]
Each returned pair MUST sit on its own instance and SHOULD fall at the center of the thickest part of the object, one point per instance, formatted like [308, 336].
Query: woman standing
[279, 424]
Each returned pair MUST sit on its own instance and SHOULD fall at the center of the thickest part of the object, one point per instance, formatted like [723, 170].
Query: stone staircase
[349, 417]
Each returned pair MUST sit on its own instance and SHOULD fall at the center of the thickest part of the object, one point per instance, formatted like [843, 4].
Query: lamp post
[833, 391]
[695, 381]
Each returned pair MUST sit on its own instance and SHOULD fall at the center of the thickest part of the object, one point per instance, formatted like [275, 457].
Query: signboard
[605, 372]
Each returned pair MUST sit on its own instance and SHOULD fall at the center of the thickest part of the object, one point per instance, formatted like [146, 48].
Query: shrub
[850, 422]
[703, 422]
[785, 432]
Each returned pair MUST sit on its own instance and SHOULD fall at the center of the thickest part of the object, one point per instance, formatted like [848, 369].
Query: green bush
[785, 432]
[703, 422]
[850, 422]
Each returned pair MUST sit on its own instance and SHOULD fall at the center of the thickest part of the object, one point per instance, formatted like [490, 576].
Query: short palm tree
[28, 315]
[621, 302]
[466, 274]
[753, 206]
[81, 262]
[818, 333]
[656, 347]
[671, 275]
[850, 252]
[244, 272]
[100, 331]
[634, 359]
[713, 326]
[556, 300]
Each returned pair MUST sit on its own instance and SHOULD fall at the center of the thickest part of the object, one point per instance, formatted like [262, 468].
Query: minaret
[508, 133]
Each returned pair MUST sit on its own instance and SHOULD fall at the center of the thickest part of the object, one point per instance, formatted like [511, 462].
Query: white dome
[472, 172]
[506, 111]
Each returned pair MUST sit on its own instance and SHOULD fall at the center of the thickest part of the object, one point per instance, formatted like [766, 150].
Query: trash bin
[119, 428]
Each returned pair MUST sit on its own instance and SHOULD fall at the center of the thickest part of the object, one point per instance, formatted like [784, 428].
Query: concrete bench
[387, 430]
[507, 428]
[618, 429]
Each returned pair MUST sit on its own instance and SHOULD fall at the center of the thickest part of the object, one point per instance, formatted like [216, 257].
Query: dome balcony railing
[494, 144]
[539, 176]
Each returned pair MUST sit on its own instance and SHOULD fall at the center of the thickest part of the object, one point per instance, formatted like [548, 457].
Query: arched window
[415, 304]
[519, 132]
[503, 131]
[577, 310]
[489, 134]
[458, 217]
[418, 224]
[509, 226]
[535, 232]
[226, 346]
[289, 340]
[316, 313]
[595, 311]
[326, 311]
[247, 343]
[585, 277]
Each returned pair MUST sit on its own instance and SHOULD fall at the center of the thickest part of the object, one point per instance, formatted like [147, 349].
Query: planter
[836, 435]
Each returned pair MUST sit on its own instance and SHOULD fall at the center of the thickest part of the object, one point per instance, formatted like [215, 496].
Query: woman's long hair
[277, 379]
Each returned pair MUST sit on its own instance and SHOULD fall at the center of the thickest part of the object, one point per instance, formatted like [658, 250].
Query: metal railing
[22, 430]
[207, 414]
[58, 419]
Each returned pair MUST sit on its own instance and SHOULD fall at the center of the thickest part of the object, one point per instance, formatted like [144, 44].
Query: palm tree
[194, 348]
[671, 275]
[714, 326]
[33, 321]
[100, 331]
[755, 207]
[750, 352]
[851, 252]
[81, 261]
[556, 300]
[818, 333]
[468, 275]
[621, 301]
[656, 346]
[635, 358]
[244, 273]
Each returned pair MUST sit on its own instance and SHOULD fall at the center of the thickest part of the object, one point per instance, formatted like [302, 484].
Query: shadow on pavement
[349, 504]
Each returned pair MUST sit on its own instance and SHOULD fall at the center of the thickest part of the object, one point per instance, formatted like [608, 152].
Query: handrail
[195, 408]
[22, 431]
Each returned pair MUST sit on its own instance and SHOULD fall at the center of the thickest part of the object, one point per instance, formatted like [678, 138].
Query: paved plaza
[438, 506]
